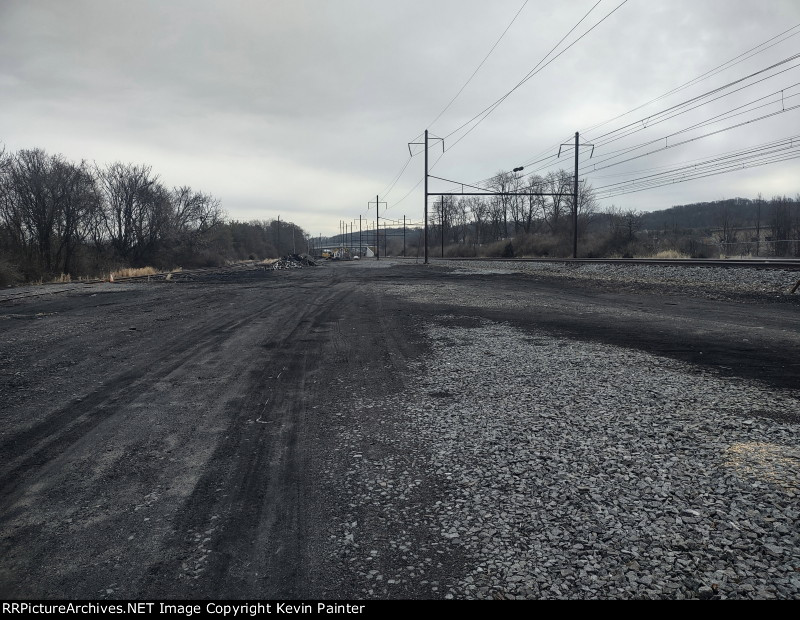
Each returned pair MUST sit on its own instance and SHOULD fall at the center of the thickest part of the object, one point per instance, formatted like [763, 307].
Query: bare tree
[480, 214]
[781, 225]
[759, 204]
[559, 186]
[194, 214]
[727, 230]
[130, 201]
[78, 201]
[504, 182]
[535, 203]
[633, 223]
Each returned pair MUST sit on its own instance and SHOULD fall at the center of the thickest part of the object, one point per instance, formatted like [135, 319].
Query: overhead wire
[438, 116]
[792, 142]
[384, 194]
[669, 146]
[614, 175]
[644, 121]
[749, 53]
[703, 174]
[536, 69]
[703, 76]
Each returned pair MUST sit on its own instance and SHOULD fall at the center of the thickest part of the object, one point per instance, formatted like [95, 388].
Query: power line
[724, 159]
[416, 186]
[703, 76]
[780, 92]
[388, 191]
[644, 121]
[438, 116]
[536, 69]
[669, 146]
[731, 168]
[753, 51]
[691, 161]
[709, 121]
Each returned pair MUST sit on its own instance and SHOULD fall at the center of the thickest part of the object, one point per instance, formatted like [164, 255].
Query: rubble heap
[295, 261]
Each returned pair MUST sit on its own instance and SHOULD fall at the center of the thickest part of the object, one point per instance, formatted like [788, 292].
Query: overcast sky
[303, 108]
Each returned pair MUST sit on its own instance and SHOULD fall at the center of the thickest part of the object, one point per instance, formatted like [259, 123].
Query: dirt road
[184, 440]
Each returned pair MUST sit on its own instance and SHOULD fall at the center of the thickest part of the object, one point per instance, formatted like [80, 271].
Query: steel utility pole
[360, 242]
[378, 223]
[575, 192]
[425, 224]
[441, 218]
[575, 204]
[404, 236]
[426, 197]
[377, 226]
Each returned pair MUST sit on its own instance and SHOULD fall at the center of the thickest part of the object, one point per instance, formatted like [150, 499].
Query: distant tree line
[734, 226]
[81, 219]
[540, 224]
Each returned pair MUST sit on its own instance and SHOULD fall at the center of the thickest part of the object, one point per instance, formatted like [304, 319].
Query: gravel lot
[391, 430]
[549, 467]
[577, 470]
[707, 281]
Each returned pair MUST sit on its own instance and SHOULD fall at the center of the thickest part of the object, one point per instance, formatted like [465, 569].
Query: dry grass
[130, 272]
[64, 278]
[670, 254]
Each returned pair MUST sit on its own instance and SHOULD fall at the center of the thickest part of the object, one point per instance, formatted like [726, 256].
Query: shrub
[9, 274]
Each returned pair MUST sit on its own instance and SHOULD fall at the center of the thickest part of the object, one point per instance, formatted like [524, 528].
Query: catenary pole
[575, 204]
[377, 227]
[426, 197]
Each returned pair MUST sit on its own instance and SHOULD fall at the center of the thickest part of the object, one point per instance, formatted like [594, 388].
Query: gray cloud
[304, 107]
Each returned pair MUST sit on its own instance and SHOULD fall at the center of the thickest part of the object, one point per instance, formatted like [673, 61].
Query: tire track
[26, 452]
[247, 539]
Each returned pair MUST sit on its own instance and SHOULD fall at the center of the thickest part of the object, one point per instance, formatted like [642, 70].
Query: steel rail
[760, 263]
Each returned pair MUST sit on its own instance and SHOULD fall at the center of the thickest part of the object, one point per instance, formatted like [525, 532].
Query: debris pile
[295, 261]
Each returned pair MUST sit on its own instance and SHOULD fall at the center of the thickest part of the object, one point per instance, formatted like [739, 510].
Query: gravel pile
[734, 280]
[551, 468]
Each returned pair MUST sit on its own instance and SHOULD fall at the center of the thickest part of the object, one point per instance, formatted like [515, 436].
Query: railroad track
[766, 263]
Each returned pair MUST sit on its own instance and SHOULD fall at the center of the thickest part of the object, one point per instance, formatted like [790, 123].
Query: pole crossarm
[570, 144]
[410, 144]
[373, 202]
